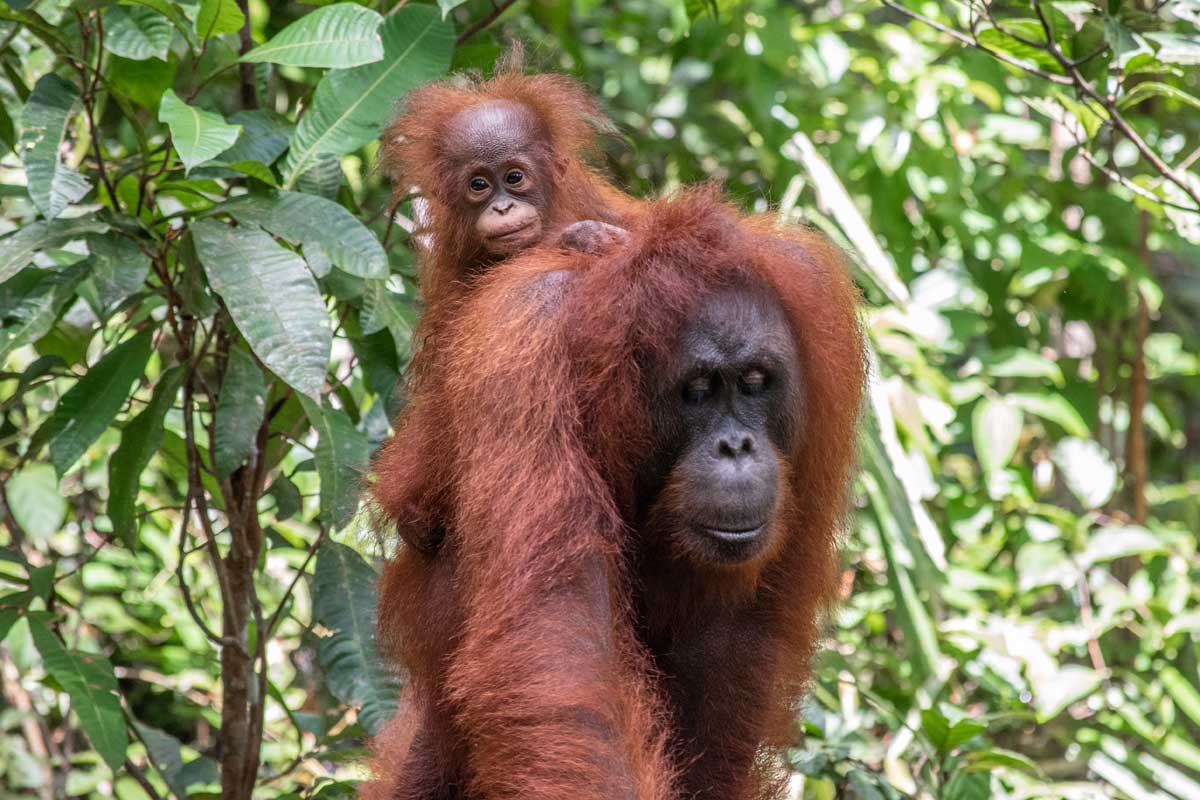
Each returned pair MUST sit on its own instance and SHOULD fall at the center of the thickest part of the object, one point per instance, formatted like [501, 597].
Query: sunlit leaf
[340, 35]
[35, 500]
[197, 135]
[216, 17]
[351, 107]
[1087, 470]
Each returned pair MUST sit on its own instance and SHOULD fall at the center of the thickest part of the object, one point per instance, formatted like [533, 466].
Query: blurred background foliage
[202, 334]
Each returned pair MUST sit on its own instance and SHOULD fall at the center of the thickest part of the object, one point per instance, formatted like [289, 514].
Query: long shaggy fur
[414, 156]
[556, 650]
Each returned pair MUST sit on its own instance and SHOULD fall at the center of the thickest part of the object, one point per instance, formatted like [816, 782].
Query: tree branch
[1072, 78]
[487, 19]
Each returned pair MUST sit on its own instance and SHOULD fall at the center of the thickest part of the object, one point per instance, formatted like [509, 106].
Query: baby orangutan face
[500, 150]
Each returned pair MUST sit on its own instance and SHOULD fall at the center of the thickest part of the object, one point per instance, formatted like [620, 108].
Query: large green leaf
[118, 269]
[52, 185]
[17, 249]
[216, 17]
[314, 222]
[198, 135]
[341, 456]
[264, 137]
[35, 500]
[240, 410]
[38, 296]
[343, 592]
[140, 440]
[341, 35]
[136, 32]
[351, 107]
[273, 299]
[88, 408]
[89, 681]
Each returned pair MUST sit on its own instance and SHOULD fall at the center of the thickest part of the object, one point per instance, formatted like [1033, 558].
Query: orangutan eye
[753, 381]
[478, 184]
[698, 388]
[514, 177]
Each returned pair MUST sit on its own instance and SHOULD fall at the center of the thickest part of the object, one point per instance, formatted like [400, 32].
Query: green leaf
[944, 736]
[52, 185]
[1185, 695]
[273, 299]
[1053, 407]
[89, 681]
[254, 170]
[1119, 541]
[17, 249]
[264, 137]
[166, 753]
[341, 456]
[304, 219]
[381, 310]
[1144, 91]
[140, 440]
[198, 135]
[1054, 690]
[995, 430]
[35, 500]
[351, 107]
[240, 410]
[343, 592]
[90, 406]
[217, 17]
[119, 268]
[142, 82]
[39, 297]
[967, 786]
[341, 35]
[1087, 470]
[323, 178]
[136, 32]
[287, 497]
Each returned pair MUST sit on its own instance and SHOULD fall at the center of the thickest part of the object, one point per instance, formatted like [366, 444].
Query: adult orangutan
[650, 463]
[500, 164]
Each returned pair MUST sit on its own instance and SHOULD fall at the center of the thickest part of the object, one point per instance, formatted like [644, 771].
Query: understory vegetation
[205, 307]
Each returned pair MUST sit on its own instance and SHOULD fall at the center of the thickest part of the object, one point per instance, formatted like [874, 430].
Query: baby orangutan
[500, 165]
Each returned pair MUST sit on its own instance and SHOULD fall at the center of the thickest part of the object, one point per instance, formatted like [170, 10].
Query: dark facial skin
[499, 150]
[727, 407]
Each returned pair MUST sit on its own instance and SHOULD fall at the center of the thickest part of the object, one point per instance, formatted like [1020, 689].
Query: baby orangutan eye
[478, 185]
[514, 177]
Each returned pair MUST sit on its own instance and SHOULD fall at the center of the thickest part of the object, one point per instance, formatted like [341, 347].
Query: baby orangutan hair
[501, 165]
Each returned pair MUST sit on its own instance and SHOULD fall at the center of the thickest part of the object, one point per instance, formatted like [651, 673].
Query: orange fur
[556, 648]
[414, 156]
